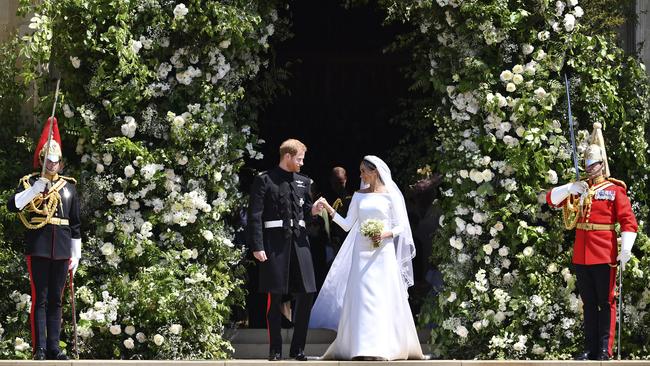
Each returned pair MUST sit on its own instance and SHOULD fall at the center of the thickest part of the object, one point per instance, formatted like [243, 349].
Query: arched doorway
[342, 93]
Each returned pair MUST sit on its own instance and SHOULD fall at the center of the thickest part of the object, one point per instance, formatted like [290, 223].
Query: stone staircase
[254, 343]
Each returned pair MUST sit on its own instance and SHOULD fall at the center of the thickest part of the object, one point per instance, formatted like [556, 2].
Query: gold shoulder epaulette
[618, 182]
[26, 178]
[69, 179]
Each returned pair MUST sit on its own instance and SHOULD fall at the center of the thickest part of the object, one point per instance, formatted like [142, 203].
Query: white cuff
[76, 248]
[627, 241]
[559, 194]
[23, 198]
[397, 230]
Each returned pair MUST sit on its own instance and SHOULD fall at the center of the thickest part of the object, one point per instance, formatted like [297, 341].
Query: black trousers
[47, 277]
[301, 311]
[596, 284]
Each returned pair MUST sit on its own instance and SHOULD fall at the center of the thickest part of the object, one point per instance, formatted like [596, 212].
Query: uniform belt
[588, 226]
[279, 223]
[52, 221]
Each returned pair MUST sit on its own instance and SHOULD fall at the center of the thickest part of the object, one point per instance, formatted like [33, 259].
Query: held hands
[321, 204]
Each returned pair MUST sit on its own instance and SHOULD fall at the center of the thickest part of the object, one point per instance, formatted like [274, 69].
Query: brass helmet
[596, 152]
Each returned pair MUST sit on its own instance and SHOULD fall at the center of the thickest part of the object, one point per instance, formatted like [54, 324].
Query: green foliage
[490, 78]
[156, 103]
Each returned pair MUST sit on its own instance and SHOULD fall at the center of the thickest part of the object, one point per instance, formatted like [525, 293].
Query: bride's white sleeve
[396, 225]
[353, 213]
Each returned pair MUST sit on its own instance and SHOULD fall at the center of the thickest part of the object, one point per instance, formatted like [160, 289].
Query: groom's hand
[260, 255]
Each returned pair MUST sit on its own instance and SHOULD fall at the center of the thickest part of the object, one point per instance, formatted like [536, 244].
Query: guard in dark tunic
[280, 203]
[48, 206]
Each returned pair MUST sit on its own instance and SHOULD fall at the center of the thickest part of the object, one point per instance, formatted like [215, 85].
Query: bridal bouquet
[371, 228]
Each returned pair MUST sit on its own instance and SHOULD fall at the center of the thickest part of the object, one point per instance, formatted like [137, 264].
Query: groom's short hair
[292, 147]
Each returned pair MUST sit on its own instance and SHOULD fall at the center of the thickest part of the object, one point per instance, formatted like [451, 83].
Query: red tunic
[610, 204]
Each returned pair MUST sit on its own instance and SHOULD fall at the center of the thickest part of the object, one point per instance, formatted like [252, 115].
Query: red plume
[43, 140]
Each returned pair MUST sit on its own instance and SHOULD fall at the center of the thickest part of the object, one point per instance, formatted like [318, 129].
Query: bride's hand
[318, 206]
[382, 236]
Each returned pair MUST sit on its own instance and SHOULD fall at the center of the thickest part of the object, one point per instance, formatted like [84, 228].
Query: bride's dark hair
[372, 167]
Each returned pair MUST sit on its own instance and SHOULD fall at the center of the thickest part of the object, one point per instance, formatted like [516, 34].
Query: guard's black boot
[57, 355]
[275, 356]
[39, 354]
[583, 356]
[603, 355]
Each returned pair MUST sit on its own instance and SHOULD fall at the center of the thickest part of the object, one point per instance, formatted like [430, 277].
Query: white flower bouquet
[371, 228]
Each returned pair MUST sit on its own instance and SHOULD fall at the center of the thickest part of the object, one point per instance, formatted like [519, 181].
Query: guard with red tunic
[48, 205]
[593, 207]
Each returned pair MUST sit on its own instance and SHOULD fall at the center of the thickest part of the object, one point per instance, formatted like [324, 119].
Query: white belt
[278, 223]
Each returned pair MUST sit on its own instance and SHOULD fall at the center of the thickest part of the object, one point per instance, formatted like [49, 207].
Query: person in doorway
[340, 198]
[280, 203]
[597, 204]
[48, 206]
[364, 297]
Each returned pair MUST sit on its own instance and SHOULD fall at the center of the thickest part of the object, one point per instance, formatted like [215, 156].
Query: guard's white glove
[627, 241]
[76, 255]
[559, 194]
[23, 198]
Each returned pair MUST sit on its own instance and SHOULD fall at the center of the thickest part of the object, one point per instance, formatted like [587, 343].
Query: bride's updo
[372, 167]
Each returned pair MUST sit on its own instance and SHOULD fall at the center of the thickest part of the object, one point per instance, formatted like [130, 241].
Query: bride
[364, 297]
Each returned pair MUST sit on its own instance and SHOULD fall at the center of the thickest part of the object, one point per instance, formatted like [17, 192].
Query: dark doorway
[343, 90]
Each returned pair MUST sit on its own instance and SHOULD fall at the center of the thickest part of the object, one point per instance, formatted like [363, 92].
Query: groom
[279, 205]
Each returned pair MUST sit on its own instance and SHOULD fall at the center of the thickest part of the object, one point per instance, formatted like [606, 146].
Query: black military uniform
[280, 203]
[48, 251]
[49, 208]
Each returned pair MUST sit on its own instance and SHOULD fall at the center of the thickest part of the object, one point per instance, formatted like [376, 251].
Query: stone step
[323, 363]
[259, 336]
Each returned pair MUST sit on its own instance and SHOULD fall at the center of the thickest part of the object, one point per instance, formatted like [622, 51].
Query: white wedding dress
[375, 317]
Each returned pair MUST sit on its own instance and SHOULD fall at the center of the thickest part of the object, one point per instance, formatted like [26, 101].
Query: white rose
[540, 93]
[527, 49]
[140, 337]
[506, 75]
[182, 160]
[538, 350]
[129, 171]
[464, 174]
[452, 297]
[520, 131]
[518, 69]
[461, 331]
[503, 251]
[136, 46]
[178, 121]
[75, 62]
[99, 168]
[578, 12]
[487, 248]
[130, 330]
[107, 159]
[128, 343]
[207, 235]
[511, 87]
[543, 35]
[518, 79]
[551, 176]
[569, 22]
[552, 268]
[158, 339]
[20, 345]
[540, 55]
[499, 316]
[110, 227]
[528, 251]
[477, 325]
[107, 249]
[115, 329]
[180, 11]
[573, 2]
[224, 44]
[175, 329]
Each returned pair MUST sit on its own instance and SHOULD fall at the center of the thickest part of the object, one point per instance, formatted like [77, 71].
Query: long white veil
[327, 308]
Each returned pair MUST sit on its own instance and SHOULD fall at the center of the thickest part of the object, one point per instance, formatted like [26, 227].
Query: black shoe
[39, 354]
[584, 356]
[299, 355]
[57, 355]
[275, 356]
[603, 355]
